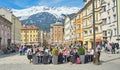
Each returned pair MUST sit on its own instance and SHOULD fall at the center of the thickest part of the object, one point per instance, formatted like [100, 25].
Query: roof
[71, 16]
[29, 27]
[57, 24]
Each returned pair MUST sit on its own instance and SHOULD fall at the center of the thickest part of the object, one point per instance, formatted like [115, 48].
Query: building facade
[30, 35]
[16, 25]
[5, 32]
[57, 33]
[118, 8]
[87, 21]
[109, 20]
[78, 27]
[68, 29]
[16, 30]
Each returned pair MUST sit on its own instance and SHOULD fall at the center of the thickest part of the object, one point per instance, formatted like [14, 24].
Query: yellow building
[88, 23]
[78, 27]
[30, 35]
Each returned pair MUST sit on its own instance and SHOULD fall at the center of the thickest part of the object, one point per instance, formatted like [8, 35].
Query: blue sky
[21, 4]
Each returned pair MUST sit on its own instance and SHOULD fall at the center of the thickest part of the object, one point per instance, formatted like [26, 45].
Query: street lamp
[94, 37]
[14, 31]
[117, 20]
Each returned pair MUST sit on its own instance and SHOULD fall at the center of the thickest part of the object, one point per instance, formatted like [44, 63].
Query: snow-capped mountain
[56, 11]
[43, 16]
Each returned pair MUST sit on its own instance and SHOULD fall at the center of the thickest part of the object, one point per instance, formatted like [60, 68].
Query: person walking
[113, 48]
[29, 54]
[117, 48]
[20, 49]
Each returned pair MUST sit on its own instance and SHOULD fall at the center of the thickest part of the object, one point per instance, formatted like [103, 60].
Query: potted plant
[55, 56]
[81, 52]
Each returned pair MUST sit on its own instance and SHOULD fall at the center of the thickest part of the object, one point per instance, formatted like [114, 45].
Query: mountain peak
[56, 11]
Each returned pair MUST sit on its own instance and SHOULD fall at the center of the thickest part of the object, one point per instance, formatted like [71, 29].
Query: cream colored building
[87, 23]
[109, 19]
[16, 30]
[16, 25]
[118, 2]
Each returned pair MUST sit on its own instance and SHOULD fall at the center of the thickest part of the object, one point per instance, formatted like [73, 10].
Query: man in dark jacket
[117, 47]
[113, 48]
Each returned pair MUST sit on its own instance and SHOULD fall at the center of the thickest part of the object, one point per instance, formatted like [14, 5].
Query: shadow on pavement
[110, 60]
[8, 55]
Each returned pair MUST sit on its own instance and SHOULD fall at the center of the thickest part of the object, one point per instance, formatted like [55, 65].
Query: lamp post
[14, 31]
[94, 37]
[117, 20]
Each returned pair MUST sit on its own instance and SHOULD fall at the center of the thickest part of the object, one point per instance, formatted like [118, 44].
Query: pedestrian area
[16, 62]
[13, 58]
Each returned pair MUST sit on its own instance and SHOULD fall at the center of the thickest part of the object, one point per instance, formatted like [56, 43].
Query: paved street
[16, 62]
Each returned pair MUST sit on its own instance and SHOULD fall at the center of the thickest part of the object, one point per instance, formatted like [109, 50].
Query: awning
[97, 40]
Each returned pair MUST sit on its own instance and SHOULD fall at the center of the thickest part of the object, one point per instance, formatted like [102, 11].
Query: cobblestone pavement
[16, 62]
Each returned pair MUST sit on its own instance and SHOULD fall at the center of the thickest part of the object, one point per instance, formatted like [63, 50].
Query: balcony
[88, 26]
[79, 31]
[78, 21]
[79, 39]
[98, 9]
[98, 22]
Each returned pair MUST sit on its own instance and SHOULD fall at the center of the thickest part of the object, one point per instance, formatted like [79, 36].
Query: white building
[67, 29]
[109, 20]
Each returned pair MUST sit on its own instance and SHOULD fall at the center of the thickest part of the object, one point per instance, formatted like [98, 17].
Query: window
[104, 8]
[114, 3]
[108, 12]
[115, 32]
[113, 9]
[109, 20]
[104, 21]
[108, 6]
[85, 32]
[96, 29]
[111, 32]
[90, 31]
[104, 33]
[114, 16]
[33, 35]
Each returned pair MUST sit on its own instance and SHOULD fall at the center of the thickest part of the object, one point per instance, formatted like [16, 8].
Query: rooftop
[29, 27]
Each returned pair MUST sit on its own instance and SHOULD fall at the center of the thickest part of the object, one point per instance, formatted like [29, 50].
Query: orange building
[57, 33]
[78, 27]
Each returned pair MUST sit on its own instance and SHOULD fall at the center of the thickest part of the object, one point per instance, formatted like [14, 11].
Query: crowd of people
[67, 54]
[10, 49]
[111, 48]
